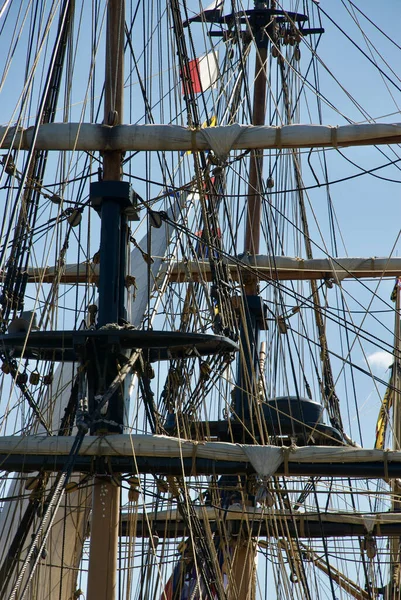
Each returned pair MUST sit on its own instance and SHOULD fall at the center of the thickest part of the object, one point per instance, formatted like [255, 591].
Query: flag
[212, 123]
[201, 248]
[397, 288]
[382, 419]
[202, 74]
[210, 14]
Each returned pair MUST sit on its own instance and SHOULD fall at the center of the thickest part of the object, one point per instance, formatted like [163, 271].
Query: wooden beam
[100, 138]
[271, 522]
[272, 268]
[71, 274]
[303, 460]
[268, 268]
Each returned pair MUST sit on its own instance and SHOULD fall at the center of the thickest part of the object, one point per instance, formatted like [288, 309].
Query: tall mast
[261, 22]
[252, 233]
[108, 195]
[396, 383]
[242, 586]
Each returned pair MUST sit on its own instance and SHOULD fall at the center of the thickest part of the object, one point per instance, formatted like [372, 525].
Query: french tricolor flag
[202, 75]
[210, 14]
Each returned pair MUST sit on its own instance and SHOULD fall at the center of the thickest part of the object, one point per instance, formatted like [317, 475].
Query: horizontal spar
[288, 268]
[166, 455]
[268, 522]
[87, 272]
[101, 138]
[267, 267]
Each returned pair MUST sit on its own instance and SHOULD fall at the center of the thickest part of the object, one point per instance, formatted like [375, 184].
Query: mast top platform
[67, 346]
[259, 18]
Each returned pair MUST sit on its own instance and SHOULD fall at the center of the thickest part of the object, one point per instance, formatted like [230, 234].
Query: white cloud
[380, 361]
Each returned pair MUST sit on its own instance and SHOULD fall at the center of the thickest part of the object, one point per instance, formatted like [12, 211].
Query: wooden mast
[252, 233]
[396, 383]
[102, 579]
[242, 585]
